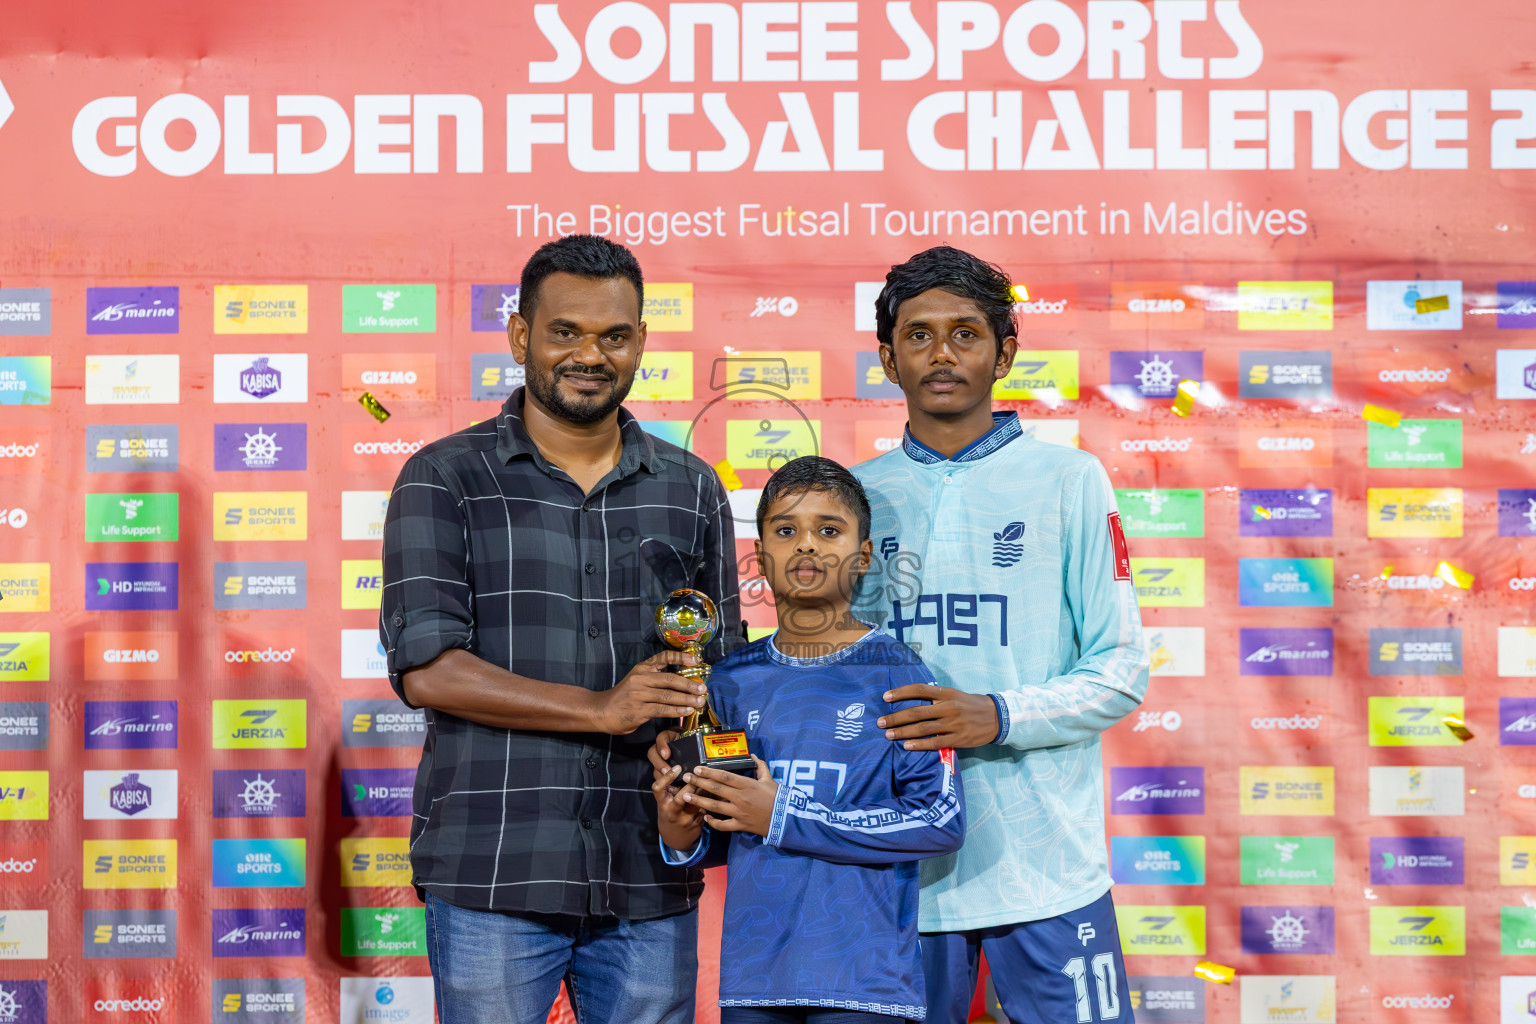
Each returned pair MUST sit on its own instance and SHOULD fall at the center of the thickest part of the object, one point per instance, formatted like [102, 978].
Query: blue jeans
[494, 968]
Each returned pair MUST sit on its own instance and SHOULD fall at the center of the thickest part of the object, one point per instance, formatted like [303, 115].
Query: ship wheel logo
[10, 1009]
[1287, 931]
[1156, 377]
[260, 449]
[259, 795]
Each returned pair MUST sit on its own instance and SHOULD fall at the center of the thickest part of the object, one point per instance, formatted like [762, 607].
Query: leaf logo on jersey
[1005, 549]
[850, 721]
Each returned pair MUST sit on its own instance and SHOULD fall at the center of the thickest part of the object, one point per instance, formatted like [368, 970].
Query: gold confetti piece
[1386, 573]
[1221, 974]
[1458, 727]
[728, 475]
[1020, 293]
[1184, 398]
[1433, 304]
[1454, 576]
[1260, 512]
[1386, 417]
[377, 411]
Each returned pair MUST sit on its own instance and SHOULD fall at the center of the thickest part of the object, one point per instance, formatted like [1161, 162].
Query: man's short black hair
[954, 271]
[814, 473]
[590, 256]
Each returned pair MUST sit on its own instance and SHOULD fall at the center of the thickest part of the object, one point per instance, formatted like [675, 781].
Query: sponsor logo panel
[260, 309]
[1160, 790]
[1162, 513]
[23, 796]
[1418, 860]
[26, 587]
[1295, 998]
[1517, 651]
[264, 1000]
[1418, 931]
[1414, 444]
[381, 722]
[135, 310]
[1285, 513]
[1157, 860]
[1413, 511]
[26, 380]
[362, 655]
[1417, 790]
[1047, 375]
[25, 449]
[1516, 373]
[493, 376]
[1279, 790]
[260, 586]
[397, 1000]
[1287, 930]
[129, 586]
[1161, 930]
[258, 932]
[26, 311]
[24, 657]
[1284, 445]
[1284, 651]
[1517, 512]
[130, 725]
[120, 518]
[1167, 999]
[1295, 376]
[376, 861]
[260, 515]
[130, 864]
[668, 376]
[132, 380]
[362, 583]
[871, 382]
[390, 376]
[383, 931]
[258, 793]
[1169, 582]
[780, 373]
[260, 447]
[1517, 721]
[1394, 306]
[278, 653]
[258, 724]
[1285, 582]
[377, 792]
[668, 306]
[268, 378]
[23, 936]
[1416, 652]
[128, 934]
[24, 864]
[362, 514]
[388, 308]
[1286, 860]
[1285, 305]
[258, 863]
[1156, 305]
[123, 795]
[769, 444]
[146, 448]
[1176, 650]
[491, 306]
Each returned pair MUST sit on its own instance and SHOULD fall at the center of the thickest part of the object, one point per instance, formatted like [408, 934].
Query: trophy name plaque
[686, 621]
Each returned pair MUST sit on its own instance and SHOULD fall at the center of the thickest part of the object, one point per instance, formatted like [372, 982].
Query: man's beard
[583, 410]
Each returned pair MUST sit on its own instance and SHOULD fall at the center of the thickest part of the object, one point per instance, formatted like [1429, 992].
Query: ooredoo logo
[399, 446]
[1157, 444]
[1522, 583]
[1424, 375]
[1428, 1001]
[138, 1005]
[1293, 722]
[265, 657]
[20, 451]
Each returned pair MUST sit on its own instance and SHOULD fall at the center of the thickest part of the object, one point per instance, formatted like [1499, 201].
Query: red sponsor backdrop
[1130, 164]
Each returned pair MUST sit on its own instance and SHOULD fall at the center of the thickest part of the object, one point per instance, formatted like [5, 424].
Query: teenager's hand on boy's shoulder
[953, 719]
[733, 803]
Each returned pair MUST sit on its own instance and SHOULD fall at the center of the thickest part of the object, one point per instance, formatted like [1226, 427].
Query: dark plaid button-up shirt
[489, 548]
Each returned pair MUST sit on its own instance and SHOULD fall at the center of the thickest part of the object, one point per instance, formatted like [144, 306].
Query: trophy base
[725, 749]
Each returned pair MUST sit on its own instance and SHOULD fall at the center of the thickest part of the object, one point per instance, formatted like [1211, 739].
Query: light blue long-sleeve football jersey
[1006, 568]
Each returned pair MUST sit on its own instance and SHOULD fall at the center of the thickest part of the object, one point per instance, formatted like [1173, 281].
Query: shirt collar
[1005, 428]
[512, 439]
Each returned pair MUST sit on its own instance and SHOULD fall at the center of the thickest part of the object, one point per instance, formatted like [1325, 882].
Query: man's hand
[679, 822]
[732, 803]
[649, 691]
[954, 719]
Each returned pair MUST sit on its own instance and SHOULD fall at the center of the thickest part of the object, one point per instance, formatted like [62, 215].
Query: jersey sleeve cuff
[1003, 718]
[780, 813]
[685, 858]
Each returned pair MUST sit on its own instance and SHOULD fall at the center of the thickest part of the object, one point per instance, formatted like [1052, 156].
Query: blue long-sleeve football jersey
[823, 911]
[1006, 566]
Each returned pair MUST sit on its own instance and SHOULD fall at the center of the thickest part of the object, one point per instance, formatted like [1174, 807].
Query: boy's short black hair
[815, 473]
[954, 271]
[590, 256]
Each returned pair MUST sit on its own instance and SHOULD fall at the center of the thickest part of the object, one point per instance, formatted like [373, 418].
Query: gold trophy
[686, 621]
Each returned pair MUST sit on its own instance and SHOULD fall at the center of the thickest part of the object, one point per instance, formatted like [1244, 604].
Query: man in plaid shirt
[523, 561]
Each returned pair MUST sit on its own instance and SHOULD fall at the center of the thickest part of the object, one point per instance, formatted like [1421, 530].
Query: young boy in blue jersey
[820, 919]
[1003, 561]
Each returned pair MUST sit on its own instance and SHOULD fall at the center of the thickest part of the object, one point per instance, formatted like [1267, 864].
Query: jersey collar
[1005, 428]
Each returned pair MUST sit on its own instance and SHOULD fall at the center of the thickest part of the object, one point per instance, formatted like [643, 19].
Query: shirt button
[949, 480]
[591, 762]
[591, 568]
[586, 823]
[399, 620]
[592, 632]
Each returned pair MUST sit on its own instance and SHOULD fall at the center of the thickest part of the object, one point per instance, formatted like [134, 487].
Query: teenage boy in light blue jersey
[1003, 562]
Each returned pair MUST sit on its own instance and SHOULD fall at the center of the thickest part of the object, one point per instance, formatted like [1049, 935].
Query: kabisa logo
[115, 795]
[130, 725]
[264, 378]
[1517, 374]
[1289, 929]
[128, 934]
[1162, 931]
[132, 311]
[491, 306]
[1157, 860]
[130, 864]
[1416, 652]
[258, 932]
[375, 722]
[1170, 790]
[258, 863]
[263, 793]
[1007, 546]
